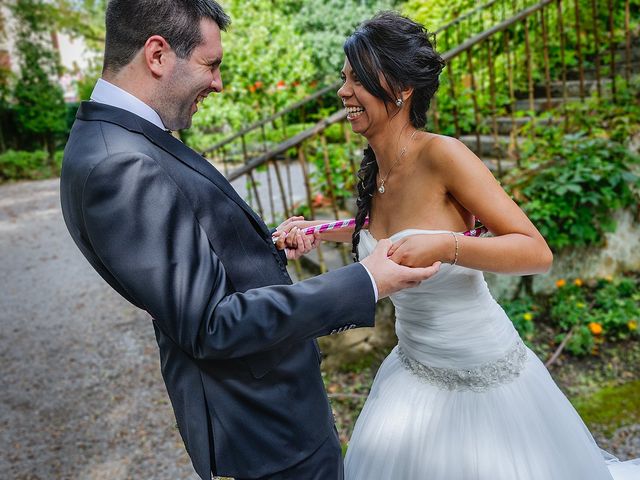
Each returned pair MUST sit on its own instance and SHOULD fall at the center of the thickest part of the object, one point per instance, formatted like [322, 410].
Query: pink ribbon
[339, 224]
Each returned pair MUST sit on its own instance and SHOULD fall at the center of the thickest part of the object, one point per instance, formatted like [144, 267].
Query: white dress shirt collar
[109, 94]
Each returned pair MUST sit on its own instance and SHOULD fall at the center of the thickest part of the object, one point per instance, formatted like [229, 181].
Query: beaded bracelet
[455, 257]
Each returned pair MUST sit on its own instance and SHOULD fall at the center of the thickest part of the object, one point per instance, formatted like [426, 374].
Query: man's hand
[391, 277]
[295, 243]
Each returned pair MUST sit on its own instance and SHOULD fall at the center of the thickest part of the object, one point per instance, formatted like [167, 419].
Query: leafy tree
[84, 19]
[5, 75]
[436, 13]
[81, 18]
[323, 27]
[266, 67]
[40, 108]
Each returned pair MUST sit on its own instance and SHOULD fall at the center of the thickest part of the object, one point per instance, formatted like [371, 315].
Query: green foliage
[81, 18]
[21, 165]
[571, 184]
[40, 108]
[606, 308]
[275, 55]
[437, 12]
[522, 312]
[323, 27]
[342, 171]
[266, 67]
[618, 121]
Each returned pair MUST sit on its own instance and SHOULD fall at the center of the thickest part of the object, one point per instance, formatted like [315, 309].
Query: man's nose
[216, 82]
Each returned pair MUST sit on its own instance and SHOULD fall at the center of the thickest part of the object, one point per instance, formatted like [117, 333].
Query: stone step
[590, 73]
[504, 124]
[540, 104]
[497, 166]
[489, 147]
[573, 89]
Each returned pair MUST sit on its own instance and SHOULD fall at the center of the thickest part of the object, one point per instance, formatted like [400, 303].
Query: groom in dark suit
[167, 231]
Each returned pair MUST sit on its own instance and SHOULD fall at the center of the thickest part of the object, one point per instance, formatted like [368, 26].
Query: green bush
[571, 184]
[594, 311]
[605, 309]
[522, 312]
[21, 165]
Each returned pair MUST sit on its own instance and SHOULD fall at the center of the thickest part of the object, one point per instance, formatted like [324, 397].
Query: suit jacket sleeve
[145, 232]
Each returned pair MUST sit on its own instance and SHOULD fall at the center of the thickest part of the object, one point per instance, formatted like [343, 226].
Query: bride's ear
[405, 94]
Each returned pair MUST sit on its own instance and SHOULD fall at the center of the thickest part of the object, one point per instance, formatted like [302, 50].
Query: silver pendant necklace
[403, 152]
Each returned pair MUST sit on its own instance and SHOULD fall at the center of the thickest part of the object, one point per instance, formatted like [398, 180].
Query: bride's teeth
[353, 112]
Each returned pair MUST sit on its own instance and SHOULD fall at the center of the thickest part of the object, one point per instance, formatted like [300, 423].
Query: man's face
[192, 79]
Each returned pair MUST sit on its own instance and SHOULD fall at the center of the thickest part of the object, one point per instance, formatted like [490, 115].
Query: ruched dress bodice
[450, 320]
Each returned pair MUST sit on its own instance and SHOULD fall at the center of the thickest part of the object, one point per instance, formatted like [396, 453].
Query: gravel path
[81, 396]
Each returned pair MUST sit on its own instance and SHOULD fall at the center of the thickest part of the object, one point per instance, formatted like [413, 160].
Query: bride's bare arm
[516, 248]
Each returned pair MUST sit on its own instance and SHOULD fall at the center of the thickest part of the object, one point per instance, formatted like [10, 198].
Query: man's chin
[176, 125]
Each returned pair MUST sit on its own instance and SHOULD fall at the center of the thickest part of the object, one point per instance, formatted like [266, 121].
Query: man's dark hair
[130, 23]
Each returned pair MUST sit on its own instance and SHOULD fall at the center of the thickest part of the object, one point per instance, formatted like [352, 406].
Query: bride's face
[366, 112]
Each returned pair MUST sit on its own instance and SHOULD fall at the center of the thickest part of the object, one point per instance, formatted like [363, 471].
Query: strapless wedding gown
[462, 398]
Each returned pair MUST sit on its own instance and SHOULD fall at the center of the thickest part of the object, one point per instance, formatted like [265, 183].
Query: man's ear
[158, 55]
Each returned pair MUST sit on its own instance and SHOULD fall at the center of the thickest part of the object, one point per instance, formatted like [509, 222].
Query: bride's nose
[344, 91]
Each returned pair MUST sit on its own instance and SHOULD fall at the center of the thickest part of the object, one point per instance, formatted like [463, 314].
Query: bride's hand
[299, 222]
[295, 243]
[423, 250]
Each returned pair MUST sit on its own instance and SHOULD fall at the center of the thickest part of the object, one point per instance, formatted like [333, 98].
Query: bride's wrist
[450, 248]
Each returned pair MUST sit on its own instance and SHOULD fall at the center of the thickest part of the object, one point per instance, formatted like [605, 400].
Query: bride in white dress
[460, 397]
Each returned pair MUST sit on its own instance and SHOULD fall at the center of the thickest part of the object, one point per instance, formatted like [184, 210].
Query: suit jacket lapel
[164, 140]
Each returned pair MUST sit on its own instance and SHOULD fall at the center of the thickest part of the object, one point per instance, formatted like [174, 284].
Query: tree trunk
[51, 148]
[3, 146]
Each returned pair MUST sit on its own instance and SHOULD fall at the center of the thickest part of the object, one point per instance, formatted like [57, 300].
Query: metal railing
[260, 137]
[521, 66]
[503, 74]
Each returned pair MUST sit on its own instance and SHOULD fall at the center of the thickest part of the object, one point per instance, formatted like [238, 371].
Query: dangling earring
[399, 102]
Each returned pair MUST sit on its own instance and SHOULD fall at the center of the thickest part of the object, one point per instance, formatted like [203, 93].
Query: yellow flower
[580, 305]
[595, 328]
[632, 324]
[577, 282]
[608, 278]
[528, 316]
[561, 283]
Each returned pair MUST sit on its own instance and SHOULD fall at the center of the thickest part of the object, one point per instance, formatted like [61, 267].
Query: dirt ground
[81, 396]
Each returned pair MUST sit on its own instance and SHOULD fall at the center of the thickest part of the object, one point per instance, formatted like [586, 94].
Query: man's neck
[115, 95]
[129, 81]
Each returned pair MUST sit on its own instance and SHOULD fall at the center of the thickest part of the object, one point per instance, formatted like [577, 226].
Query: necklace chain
[381, 188]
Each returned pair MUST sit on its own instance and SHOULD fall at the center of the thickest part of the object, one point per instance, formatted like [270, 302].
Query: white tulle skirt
[410, 429]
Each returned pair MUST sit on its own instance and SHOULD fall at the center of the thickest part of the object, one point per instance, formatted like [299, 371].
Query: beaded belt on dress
[480, 378]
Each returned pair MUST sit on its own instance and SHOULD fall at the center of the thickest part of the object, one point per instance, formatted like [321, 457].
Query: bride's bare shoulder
[441, 151]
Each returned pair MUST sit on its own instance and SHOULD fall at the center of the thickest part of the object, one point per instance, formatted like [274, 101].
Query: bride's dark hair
[401, 51]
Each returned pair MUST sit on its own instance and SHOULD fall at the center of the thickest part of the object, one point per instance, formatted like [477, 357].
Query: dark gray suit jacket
[237, 340]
